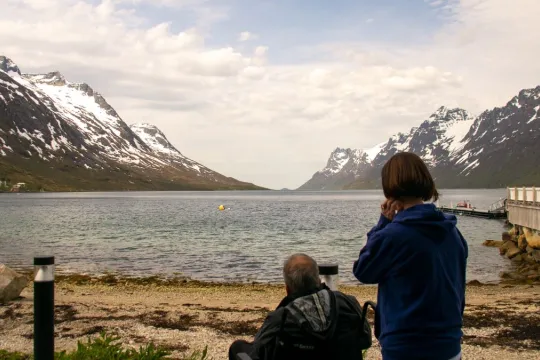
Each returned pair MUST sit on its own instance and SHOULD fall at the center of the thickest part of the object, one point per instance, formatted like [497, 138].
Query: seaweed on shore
[261, 310]
[110, 279]
[514, 329]
[63, 313]
[160, 319]
[185, 322]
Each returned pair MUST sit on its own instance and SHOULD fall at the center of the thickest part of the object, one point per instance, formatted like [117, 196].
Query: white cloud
[246, 36]
[436, 3]
[274, 124]
[369, 21]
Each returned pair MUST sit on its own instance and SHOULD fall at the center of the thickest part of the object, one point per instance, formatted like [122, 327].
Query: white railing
[524, 195]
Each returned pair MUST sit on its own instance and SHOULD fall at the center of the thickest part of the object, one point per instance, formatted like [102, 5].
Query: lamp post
[44, 308]
[330, 275]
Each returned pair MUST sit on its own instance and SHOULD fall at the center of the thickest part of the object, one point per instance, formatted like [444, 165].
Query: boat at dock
[464, 208]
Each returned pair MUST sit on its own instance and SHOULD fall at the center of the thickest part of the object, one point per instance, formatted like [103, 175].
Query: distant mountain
[59, 135]
[343, 167]
[498, 148]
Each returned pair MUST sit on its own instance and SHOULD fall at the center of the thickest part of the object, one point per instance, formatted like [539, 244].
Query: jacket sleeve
[466, 250]
[376, 257]
[383, 221]
[264, 341]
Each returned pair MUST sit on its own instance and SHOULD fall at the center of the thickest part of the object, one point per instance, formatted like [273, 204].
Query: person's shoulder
[393, 232]
[350, 300]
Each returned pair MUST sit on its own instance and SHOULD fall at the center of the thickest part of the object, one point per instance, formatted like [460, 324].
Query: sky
[265, 90]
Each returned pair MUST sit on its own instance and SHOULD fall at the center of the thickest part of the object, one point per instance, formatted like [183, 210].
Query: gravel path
[501, 321]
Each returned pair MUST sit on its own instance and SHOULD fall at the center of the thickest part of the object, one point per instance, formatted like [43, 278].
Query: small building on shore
[17, 187]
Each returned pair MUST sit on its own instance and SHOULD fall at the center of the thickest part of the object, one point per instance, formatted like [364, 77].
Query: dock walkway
[486, 214]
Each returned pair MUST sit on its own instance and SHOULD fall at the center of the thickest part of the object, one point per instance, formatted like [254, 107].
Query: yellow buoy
[221, 207]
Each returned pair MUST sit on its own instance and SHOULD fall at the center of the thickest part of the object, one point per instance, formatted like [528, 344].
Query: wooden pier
[497, 210]
[486, 214]
[523, 207]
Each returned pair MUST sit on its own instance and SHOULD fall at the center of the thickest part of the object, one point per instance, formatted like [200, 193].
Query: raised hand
[390, 208]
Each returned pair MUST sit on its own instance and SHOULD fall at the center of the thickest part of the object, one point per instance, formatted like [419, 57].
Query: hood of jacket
[427, 220]
[315, 313]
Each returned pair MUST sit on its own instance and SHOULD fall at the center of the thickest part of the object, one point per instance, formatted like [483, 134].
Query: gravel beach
[501, 321]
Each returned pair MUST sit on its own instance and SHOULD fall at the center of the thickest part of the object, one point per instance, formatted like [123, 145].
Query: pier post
[44, 308]
[330, 275]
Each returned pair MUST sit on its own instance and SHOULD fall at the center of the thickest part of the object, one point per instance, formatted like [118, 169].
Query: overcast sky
[264, 90]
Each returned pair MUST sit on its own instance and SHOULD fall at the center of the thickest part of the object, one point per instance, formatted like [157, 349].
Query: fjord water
[166, 233]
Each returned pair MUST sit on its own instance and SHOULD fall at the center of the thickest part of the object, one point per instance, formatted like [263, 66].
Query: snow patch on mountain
[535, 115]
[374, 151]
[155, 139]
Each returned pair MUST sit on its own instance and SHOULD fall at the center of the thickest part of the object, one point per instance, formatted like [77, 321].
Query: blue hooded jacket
[419, 260]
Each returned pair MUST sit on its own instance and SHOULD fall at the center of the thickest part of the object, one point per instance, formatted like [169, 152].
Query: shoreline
[109, 277]
[185, 315]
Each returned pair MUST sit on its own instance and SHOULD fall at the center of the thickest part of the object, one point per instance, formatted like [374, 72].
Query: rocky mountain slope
[59, 135]
[498, 148]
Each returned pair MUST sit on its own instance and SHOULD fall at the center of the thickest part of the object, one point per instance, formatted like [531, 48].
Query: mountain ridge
[497, 148]
[60, 135]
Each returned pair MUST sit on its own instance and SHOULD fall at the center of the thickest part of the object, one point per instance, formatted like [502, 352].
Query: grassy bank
[108, 347]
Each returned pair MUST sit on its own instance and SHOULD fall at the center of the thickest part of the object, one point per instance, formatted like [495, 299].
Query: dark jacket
[419, 262]
[321, 315]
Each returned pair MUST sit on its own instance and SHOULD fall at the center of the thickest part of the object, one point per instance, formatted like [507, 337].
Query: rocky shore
[500, 322]
[522, 246]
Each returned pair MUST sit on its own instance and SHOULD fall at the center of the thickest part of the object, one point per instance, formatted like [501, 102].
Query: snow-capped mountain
[342, 168]
[64, 135]
[434, 140]
[498, 148]
[158, 143]
[502, 147]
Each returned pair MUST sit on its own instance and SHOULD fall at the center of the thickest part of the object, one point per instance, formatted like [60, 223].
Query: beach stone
[493, 243]
[532, 273]
[536, 255]
[11, 284]
[528, 258]
[511, 275]
[522, 242]
[513, 252]
[474, 283]
[533, 238]
[507, 245]
[517, 258]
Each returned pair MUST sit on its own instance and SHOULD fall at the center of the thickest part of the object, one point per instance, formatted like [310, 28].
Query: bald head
[301, 273]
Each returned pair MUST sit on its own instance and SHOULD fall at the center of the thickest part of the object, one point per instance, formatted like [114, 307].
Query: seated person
[312, 310]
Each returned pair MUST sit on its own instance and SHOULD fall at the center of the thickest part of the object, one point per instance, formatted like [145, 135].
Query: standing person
[417, 256]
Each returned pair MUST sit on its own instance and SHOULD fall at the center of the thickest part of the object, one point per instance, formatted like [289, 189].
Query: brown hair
[406, 175]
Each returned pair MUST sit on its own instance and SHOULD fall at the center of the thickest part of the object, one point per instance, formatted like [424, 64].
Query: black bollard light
[330, 275]
[44, 308]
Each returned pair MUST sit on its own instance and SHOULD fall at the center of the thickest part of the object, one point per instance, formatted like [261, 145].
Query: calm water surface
[144, 233]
